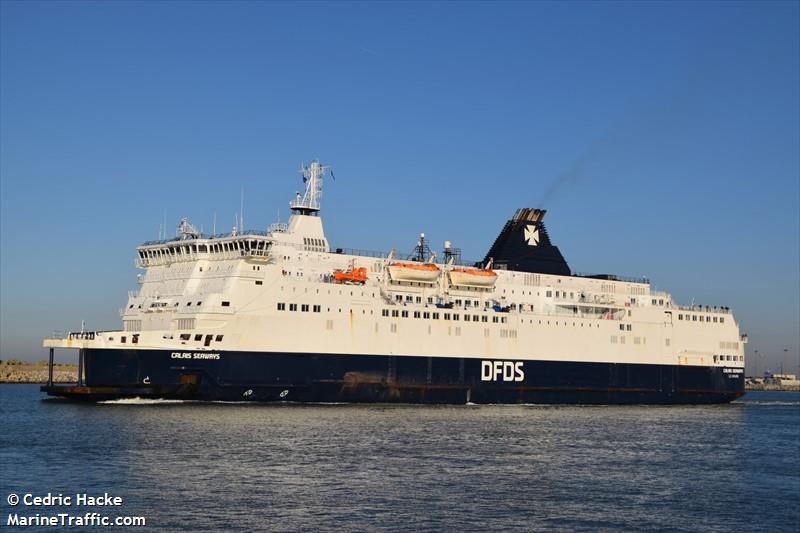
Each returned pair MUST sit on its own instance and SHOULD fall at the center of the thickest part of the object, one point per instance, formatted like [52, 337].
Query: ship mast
[312, 177]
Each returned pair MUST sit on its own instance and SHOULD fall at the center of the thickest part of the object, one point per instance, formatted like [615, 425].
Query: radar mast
[312, 177]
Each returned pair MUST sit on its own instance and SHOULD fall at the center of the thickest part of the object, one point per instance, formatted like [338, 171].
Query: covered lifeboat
[473, 277]
[352, 275]
[422, 272]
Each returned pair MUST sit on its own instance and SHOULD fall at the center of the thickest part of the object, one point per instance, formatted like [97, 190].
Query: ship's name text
[195, 355]
[501, 371]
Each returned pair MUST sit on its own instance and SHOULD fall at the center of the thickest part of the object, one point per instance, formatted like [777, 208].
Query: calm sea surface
[237, 467]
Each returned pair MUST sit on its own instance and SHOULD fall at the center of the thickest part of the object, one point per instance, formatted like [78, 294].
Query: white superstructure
[276, 291]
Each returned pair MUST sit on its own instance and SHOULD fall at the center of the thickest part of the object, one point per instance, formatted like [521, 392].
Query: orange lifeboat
[351, 275]
[424, 272]
[473, 277]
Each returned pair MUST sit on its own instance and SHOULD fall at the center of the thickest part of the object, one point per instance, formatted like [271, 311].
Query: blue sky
[662, 138]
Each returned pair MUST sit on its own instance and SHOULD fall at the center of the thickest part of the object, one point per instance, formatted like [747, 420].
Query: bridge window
[219, 338]
[185, 336]
[226, 304]
[198, 337]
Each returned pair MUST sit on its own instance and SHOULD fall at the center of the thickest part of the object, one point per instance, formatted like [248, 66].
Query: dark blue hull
[258, 376]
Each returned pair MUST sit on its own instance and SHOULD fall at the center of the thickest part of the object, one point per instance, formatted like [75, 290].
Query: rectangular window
[226, 304]
[281, 307]
[466, 318]
[494, 319]
[404, 314]
[219, 338]
[395, 313]
[455, 316]
[416, 314]
[123, 339]
[680, 317]
[447, 316]
[628, 327]
[622, 327]
[419, 299]
[503, 320]
[385, 312]
[475, 318]
[485, 318]
[317, 308]
[184, 337]
[436, 316]
[721, 320]
[292, 307]
[198, 337]
[304, 308]
[426, 315]
[259, 282]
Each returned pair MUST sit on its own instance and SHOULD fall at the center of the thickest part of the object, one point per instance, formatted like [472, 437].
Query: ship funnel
[524, 245]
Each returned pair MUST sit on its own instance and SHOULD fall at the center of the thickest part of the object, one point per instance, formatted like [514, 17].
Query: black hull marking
[270, 377]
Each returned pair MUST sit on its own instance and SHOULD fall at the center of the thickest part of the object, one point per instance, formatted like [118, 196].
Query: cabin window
[185, 336]
[199, 303]
[219, 338]
[188, 304]
[123, 339]
[198, 337]
[226, 304]
[208, 340]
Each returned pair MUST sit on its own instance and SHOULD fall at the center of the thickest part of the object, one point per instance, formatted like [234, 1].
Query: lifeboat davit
[422, 272]
[351, 275]
[473, 277]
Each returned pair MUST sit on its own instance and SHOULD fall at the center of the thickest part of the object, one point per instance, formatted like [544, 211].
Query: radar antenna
[187, 231]
[312, 177]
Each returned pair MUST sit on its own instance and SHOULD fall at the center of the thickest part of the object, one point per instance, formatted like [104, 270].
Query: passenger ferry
[278, 315]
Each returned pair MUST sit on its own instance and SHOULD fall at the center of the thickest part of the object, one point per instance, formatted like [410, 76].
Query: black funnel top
[524, 245]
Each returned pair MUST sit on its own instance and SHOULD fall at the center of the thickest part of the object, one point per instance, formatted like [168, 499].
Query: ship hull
[277, 377]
